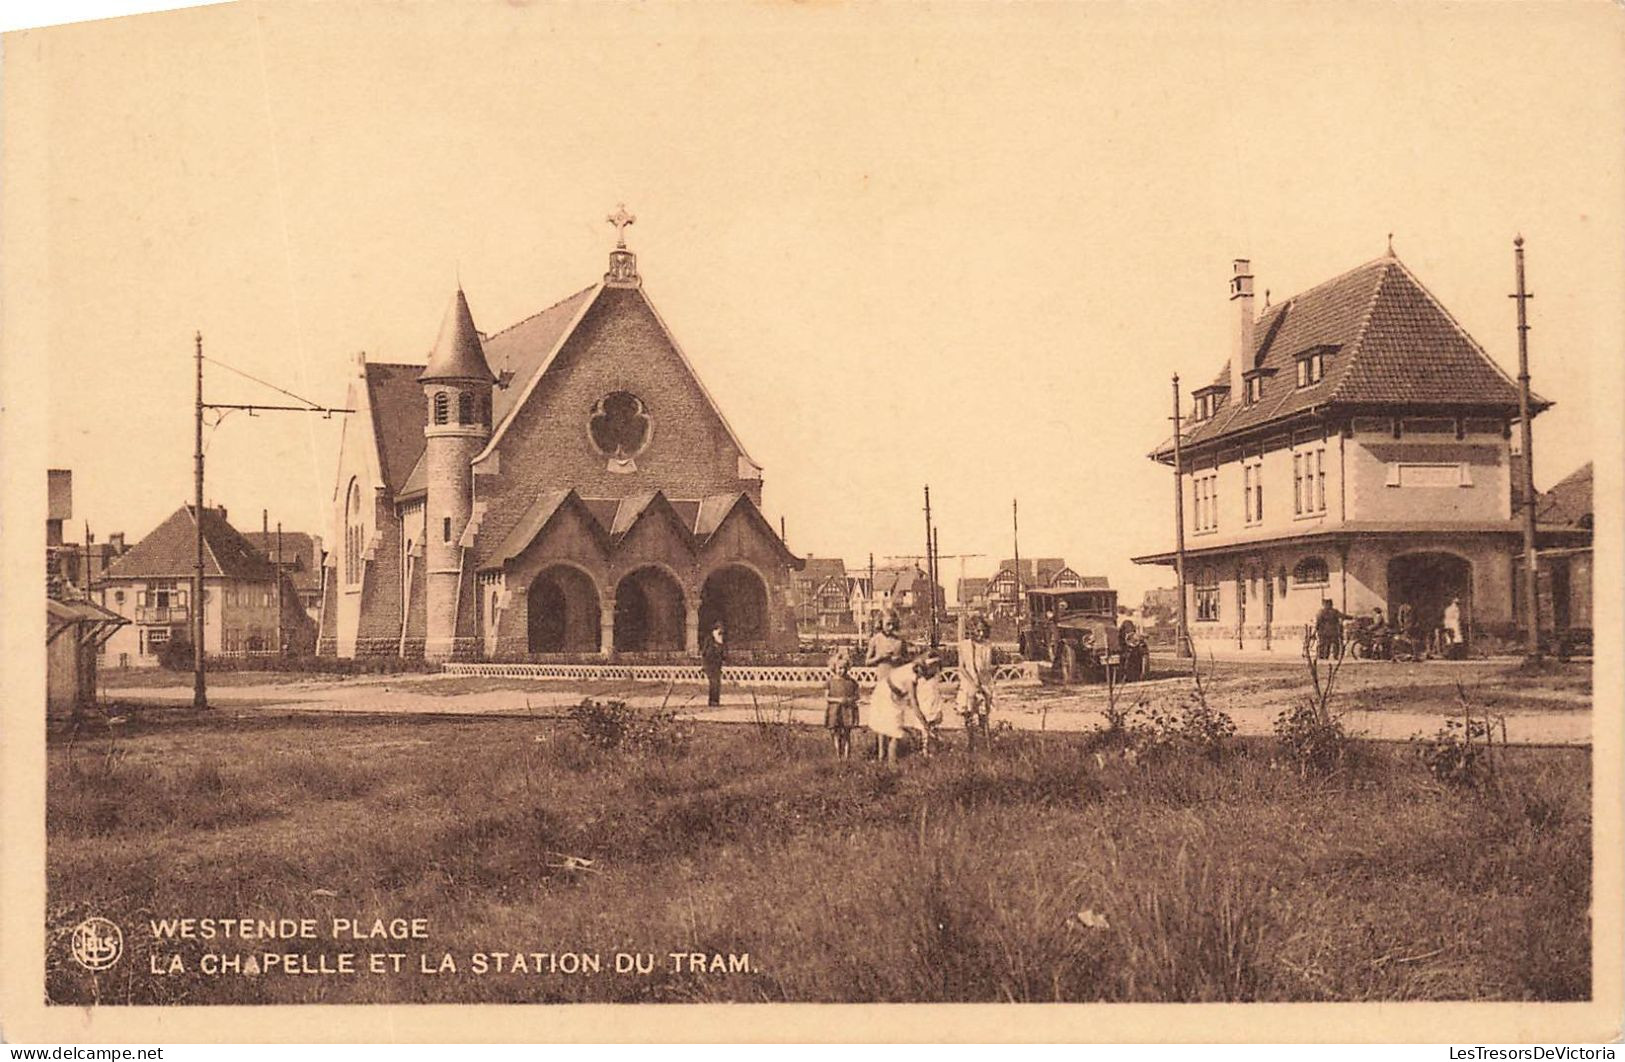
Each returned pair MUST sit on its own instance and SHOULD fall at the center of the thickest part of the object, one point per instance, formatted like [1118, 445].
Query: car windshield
[1087, 602]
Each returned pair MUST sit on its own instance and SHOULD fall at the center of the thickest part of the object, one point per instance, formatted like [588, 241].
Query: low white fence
[1024, 673]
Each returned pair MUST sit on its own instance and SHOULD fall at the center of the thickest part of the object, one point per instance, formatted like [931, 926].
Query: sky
[957, 245]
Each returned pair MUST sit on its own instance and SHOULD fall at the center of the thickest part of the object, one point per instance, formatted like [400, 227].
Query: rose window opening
[620, 428]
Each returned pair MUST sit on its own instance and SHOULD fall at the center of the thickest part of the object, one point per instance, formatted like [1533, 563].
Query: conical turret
[458, 353]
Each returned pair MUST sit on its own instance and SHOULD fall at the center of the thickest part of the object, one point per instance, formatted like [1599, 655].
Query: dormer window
[1207, 402]
[1253, 384]
[1311, 368]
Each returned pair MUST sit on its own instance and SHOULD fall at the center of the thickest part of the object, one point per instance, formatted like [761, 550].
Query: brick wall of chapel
[618, 345]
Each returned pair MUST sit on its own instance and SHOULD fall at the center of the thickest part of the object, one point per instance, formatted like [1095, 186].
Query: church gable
[616, 411]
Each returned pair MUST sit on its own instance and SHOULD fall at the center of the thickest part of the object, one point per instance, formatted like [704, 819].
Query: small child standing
[841, 703]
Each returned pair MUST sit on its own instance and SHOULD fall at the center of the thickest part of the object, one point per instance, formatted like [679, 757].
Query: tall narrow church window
[352, 535]
[445, 529]
[485, 410]
[465, 408]
[442, 407]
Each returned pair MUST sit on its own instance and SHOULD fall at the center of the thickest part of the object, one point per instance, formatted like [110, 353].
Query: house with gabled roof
[1563, 528]
[820, 596]
[1356, 448]
[564, 486]
[151, 587]
[299, 554]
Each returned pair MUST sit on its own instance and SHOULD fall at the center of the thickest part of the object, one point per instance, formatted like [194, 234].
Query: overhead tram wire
[199, 406]
[310, 406]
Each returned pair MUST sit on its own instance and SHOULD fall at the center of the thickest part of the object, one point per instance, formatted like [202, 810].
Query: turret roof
[458, 353]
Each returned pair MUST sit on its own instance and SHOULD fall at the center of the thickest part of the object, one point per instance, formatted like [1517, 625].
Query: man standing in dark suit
[711, 654]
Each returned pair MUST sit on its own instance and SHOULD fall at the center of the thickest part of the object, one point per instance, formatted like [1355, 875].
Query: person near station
[1328, 631]
[884, 716]
[713, 650]
[1452, 625]
[1381, 638]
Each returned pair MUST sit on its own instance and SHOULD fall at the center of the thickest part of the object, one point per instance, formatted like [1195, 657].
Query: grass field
[959, 877]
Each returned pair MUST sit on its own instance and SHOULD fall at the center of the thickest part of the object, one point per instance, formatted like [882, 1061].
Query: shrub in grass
[1459, 753]
[612, 724]
[1316, 743]
[1191, 727]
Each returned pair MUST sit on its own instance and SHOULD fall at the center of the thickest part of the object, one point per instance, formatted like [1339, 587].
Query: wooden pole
[200, 696]
[1015, 543]
[1531, 569]
[1181, 618]
[930, 565]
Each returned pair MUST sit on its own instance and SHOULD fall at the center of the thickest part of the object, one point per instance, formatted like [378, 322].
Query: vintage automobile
[1077, 631]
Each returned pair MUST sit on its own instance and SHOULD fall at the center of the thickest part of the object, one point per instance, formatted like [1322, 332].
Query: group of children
[907, 693]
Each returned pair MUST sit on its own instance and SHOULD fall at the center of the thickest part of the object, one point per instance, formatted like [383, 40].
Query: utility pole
[869, 598]
[200, 698]
[1181, 619]
[1015, 542]
[280, 643]
[936, 578]
[1531, 584]
[930, 574]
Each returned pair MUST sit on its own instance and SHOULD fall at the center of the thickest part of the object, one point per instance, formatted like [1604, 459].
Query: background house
[819, 596]
[151, 587]
[75, 565]
[1035, 573]
[301, 563]
[1563, 529]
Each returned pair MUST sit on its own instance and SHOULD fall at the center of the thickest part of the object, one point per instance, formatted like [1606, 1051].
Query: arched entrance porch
[1428, 582]
[737, 596]
[562, 613]
[649, 612]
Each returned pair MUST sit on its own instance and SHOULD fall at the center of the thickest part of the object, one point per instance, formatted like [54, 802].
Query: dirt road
[1252, 697]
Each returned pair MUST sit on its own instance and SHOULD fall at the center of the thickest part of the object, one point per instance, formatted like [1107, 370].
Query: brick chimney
[1241, 351]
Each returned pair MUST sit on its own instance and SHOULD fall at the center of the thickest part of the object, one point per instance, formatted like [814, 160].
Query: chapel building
[563, 488]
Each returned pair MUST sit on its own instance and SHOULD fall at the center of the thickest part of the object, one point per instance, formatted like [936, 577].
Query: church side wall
[379, 601]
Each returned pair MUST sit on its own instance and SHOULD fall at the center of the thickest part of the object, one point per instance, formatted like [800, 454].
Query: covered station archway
[1427, 582]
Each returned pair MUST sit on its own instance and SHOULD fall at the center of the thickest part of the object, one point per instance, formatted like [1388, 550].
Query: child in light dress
[841, 703]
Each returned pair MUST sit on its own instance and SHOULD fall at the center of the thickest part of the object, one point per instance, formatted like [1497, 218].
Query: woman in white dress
[888, 655]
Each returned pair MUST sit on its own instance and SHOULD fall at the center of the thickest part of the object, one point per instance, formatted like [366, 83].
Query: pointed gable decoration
[536, 519]
[458, 353]
[739, 507]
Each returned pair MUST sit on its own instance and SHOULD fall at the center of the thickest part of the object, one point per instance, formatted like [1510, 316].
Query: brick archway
[737, 596]
[561, 612]
[650, 612]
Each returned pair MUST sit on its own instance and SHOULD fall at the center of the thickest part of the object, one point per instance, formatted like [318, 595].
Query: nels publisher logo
[97, 943]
